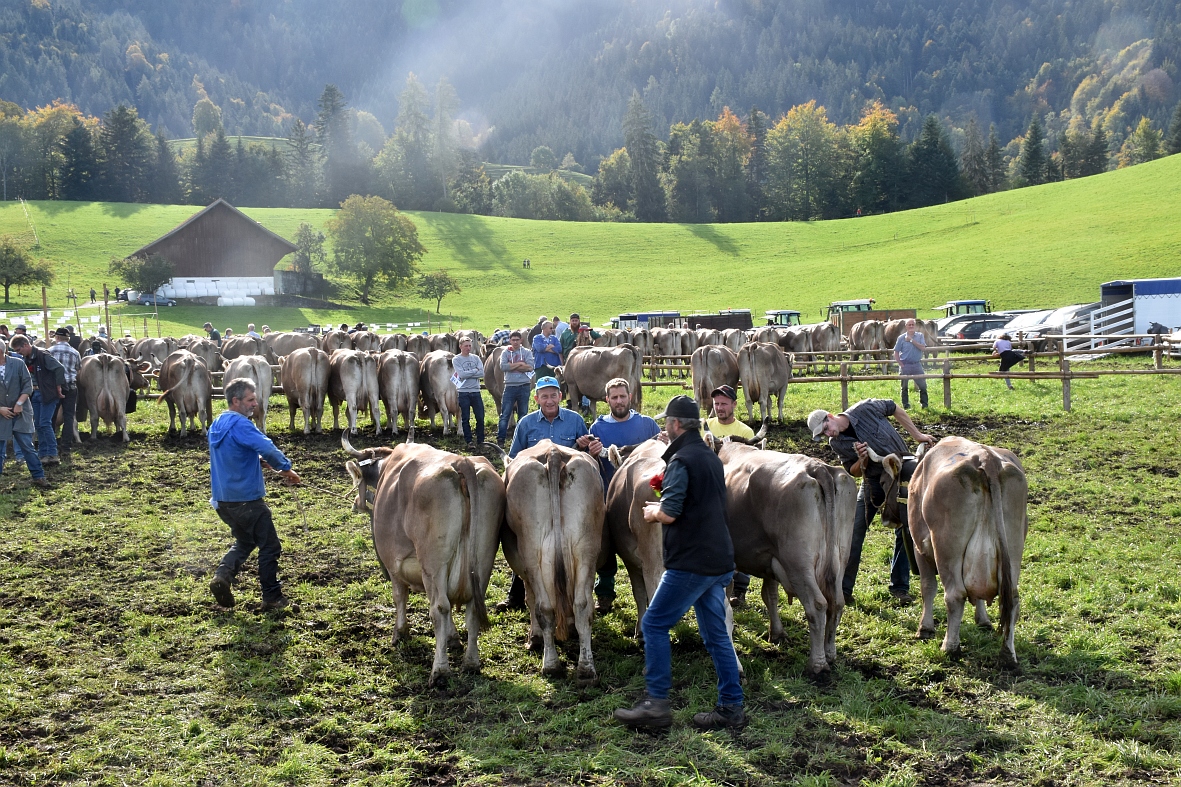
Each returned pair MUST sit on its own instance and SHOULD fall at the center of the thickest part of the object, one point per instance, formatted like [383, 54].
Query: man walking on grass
[238, 451]
[16, 416]
[698, 565]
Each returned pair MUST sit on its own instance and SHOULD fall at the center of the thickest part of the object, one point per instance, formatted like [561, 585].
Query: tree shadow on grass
[474, 244]
[710, 232]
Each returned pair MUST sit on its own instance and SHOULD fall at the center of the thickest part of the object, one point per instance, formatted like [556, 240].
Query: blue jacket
[235, 445]
[547, 351]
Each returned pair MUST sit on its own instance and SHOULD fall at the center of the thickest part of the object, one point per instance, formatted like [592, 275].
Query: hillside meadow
[1043, 246]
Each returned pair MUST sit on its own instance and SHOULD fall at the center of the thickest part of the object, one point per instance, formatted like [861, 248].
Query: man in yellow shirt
[724, 424]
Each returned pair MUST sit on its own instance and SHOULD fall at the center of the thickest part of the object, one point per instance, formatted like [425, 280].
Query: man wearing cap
[214, 335]
[698, 565]
[623, 426]
[65, 354]
[16, 415]
[570, 337]
[908, 354]
[724, 424]
[550, 422]
[469, 370]
[850, 434]
[547, 351]
[48, 380]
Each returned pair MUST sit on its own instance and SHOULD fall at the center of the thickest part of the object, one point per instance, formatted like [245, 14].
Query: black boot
[648, 712]
[220, 587]
[721, 717]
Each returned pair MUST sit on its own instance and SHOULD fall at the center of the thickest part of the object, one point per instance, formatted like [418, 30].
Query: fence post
[1066, 385]
[1032, 359]
[1158, 357]
[947, 382]
[45, 315]
[844, 386]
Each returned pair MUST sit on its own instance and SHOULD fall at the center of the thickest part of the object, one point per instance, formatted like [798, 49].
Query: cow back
[336, 340]
[394, 341]
[304, 373]
[713, 366]
[366, 341]
[285, 343]
[591, 368]
[419, 345]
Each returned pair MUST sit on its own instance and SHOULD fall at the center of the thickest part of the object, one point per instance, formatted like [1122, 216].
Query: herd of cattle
[439, 518]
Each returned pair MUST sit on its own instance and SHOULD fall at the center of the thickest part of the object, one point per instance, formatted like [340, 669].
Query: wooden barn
[220, 252]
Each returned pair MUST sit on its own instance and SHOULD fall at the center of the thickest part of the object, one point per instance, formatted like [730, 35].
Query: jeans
[23, 443]
[679, 590]
[515, 396]
[920, 383]
[43, 419]
[867, 509]
[471, 401]
[69, 406]
[252, 526]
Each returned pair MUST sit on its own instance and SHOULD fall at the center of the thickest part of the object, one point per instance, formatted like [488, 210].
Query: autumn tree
[801, 162]
[373, 241]
[878, 161]
[146, 274]
[1141, 146]
[17, 267]
[435, 286]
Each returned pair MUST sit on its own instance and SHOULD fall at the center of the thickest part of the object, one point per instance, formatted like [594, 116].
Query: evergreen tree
[445, 145]
[219, 169]
[643, 150]
[165, 175]
[934, 175]
[756, 162]
[275, 194]
[994, 161]
[1096, 158]
[336, 144]
[1031, 163]
[125, 155]
[1173, 143]
[974, 161]
[406, 158]
[689, 173]
[878, 163]
[303, 167]
[472, 190]
[80, 163]
[196, 174]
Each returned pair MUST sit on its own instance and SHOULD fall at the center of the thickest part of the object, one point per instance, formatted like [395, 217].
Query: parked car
[1022, 324]
[151, 299]
[972, 329]
[1058, 320]
[950, 326]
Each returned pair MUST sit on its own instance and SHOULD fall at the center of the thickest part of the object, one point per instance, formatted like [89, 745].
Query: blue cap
[547, 382]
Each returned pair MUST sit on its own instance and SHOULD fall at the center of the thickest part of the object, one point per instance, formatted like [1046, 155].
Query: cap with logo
[547, 382]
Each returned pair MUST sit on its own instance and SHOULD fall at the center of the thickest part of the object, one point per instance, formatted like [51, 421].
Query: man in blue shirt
[624, 426]
[908, 354]
[237, 453]
[547, 351]
[550, 422]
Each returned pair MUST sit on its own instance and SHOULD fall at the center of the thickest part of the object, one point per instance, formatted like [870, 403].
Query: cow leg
[982, 614]
[730, 633]
[335, 416]
[771, 601]
[815, 609]
[444, 627]
[375, 413]
[291, 413]
[94, 425]
[171, 416]
[391, 417]
[928, 584]
[780, 398]
[584, 612]
[401, 592]
[120, 425]
[351, 410]
[1009, 631]
[471, 655]
[954, 598]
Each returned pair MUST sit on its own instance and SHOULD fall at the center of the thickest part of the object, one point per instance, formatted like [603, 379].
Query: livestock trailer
[663, 319]
[846, 314]
[726, 318]
[1131, 306]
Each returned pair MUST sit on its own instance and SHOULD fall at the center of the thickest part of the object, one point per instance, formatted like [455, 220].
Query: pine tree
[165, 174]
[756, 163]
[974, 161]
[643, 150]
[124, 155]
[303, 167]
[1141, 146]
[995, 161]
[444, 153]
[1095, 160]
[219, 168]
[80, 163]
[1031, 163]
[332, 131]
[1173, 143]
[413, 178]
[934, 174]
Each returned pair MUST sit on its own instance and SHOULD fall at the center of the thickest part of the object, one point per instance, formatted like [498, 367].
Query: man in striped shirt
[70, 360]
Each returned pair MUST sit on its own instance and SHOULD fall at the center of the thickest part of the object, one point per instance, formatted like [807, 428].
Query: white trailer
[1130, 307]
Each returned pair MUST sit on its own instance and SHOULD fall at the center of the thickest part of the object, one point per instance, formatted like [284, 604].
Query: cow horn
[762, 433]
[874, 456]
[614, 455]
[497, 449]
[143, 367]
[347, 446]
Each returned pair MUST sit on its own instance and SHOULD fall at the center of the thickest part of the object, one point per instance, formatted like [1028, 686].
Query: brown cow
[419, 345]
[967, 515]
[588, 370]
[708, 336]
[207, 351]
[765, 372]
[258, 370]
[304, 376]
[476, 337]
[436, 520]
[444, 341]
[641, 339]
[734, 338]
[895, 328]
[153, 351]
[394, 341]
[666, 342]
[791, 521]
[867, 339]
[104, 385]
[352, 380]
[713, 366]
[188, 391]
[366, 341]
[336, 340]
[825, 338]
[397, 386]
[438, 392]
[494, 376]
[552, 540]
[283, 344]
[237, 346]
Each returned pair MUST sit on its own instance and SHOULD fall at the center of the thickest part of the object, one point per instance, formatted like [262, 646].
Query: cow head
[136, 372]
[365, 471]
[892, 485]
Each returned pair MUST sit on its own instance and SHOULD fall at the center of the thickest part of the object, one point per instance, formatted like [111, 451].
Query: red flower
[657, 484]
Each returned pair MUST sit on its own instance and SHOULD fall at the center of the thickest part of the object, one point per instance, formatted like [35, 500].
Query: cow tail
[563, 610]
[468, 484]
[637, 376]
[830, 579]
[1005, 581]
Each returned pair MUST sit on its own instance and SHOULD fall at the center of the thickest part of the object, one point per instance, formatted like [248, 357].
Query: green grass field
[117, 668]
[1043, 246]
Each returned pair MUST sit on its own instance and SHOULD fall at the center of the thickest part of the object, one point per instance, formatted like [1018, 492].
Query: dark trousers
[69, 410]
[252, 526]
[515, 397]
[471, 401]
[869, 498]
[919, 382]
[22, 444]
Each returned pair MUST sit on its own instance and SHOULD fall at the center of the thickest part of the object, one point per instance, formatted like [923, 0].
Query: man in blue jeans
[516, 363]
[16, 415]
[698, 566]
[49, 378]
[469, 370]
[237, 453]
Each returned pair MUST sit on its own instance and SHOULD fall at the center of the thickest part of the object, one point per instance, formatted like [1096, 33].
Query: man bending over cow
[698, 565]
[237, 453]
[550, 422]
[624, 426]
[849, 433]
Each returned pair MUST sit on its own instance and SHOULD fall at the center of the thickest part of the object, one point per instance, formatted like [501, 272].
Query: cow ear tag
[364, 462]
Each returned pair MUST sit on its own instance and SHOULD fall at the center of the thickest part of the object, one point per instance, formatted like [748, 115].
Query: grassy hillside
[1042, 246]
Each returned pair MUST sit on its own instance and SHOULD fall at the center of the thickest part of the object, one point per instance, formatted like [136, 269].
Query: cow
[708, 336]
[767, 334]
[283, 344]
[153, 351]
[207, 351]
[352, 380]
[713, 366]
[444, 341]
[688, 345]
[188, 391]
[436, 521]
[765, 372]
[796, 339]
[397, 387]
[366, 341]
[867, 339]
[895, 328]
[394, 341]
[304, 376]
[494, 376]
[336, 340]
[98, 344]
[588, 370]
[244, 344]
[418, 345]
[612, 337]
[791, 522]
[104, 385]
[666, 342]
[258, 370]
[967, 515]
[438, 392]
[126, 347]
[734, 338]
[825, 338]
[641, 339]
[554, 518]
[477, 340]
[186, 341]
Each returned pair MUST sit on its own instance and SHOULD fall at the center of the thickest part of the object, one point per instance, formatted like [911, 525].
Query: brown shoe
[220, 588]
[720, 718]
[42, 483]
[275, 604]
[648, 712]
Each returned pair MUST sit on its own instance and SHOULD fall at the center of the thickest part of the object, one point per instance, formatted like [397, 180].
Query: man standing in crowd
[16, 416]
[551, 422]
[560, 327]
[516, 363]
[849, 434]
[49, 378]
[624, 426]
[214, 335]
[724, 424]
[908, 354]
[469, 370]
[547, 351]
[251, 332]
[70, 360]
[500, 336]
[698, 565]
[238, 451]
[570, 337]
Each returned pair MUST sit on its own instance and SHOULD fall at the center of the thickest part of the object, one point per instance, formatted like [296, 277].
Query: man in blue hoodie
[237, 453]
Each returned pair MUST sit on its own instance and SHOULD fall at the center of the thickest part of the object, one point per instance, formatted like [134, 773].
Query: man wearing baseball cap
[850, 434]
[551, 422]
[724, 424]
[698, 565]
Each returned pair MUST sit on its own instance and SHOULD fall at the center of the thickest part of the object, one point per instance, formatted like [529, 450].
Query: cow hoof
[438, 676]
[925, 634]
[953, 654]
[536, 643]
[472, 665]
[586, 676]
[777, 637]
[822, 677]
[399, 633]
[985, 625]
[1008, 661]
[558, 670]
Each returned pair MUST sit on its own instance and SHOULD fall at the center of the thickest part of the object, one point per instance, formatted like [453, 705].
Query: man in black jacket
[48, 380]
[698, 567]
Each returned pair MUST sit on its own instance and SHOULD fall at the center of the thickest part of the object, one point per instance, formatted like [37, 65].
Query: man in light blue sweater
[237, 453]
[469, 370]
